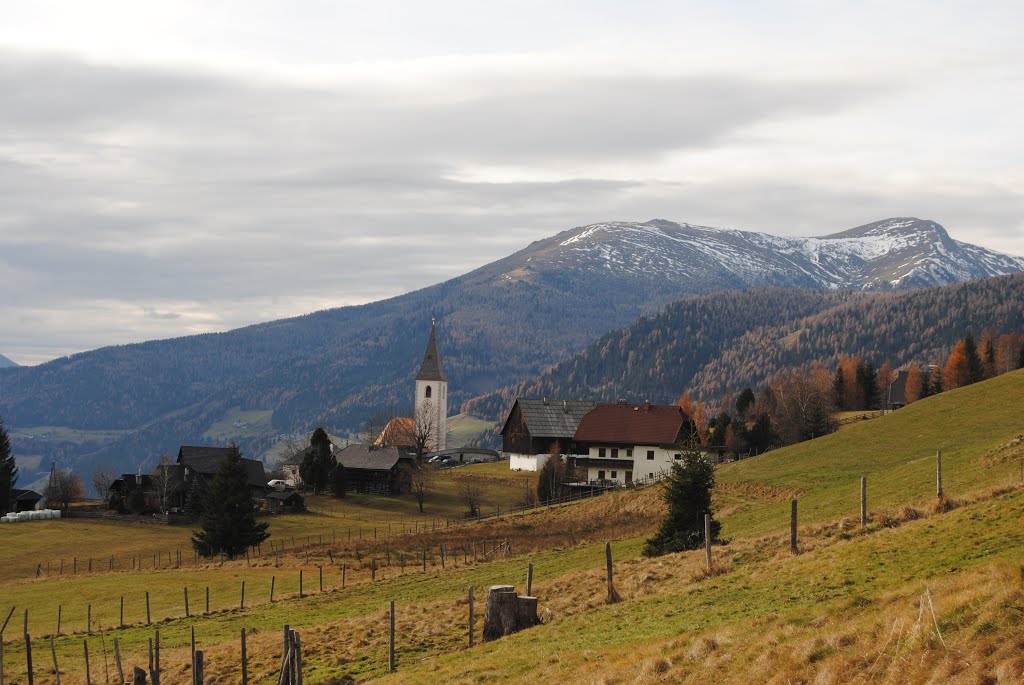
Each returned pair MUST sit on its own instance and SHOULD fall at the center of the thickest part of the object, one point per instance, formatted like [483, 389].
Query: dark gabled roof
[551, 418]
[26, 495]
[632, 424]
[898, 392]
[207, 460]
[431, 369]
[130, 480]
[283, 496]
[370, 459]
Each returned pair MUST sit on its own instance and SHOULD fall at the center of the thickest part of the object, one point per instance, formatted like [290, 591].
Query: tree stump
[507, 612]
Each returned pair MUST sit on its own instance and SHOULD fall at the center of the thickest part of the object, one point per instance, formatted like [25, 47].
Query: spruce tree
[839, 389]
[688, 496]
[195, 498]
[228, 522]
[8, 471]
[975, 370]
[318, 462]
[744, 402]
[339, 481]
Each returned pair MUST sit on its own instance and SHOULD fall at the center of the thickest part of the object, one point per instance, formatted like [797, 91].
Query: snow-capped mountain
[893, 253]
[6, 363]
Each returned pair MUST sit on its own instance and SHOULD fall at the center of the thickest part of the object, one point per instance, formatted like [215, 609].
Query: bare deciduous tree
[102, 476]
[471, 492]
[64, 488]
[421, 483]
[425, 429]
[163, 482]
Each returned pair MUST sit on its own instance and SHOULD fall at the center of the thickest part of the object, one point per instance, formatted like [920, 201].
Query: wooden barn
[535, 425]
[374, 469]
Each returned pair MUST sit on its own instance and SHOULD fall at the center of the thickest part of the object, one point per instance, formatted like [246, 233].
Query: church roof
[431, 369]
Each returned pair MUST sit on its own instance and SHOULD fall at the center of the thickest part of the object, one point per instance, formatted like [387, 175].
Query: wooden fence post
[197, 669]
[56, 668]
[613, 596]
[792, 527]
[207, 599]
[863, 501]
[187, 614]
[271, 588]
[343, 567]
[88, 619]
[121, 621]
[192, 635]
[390, 651]
[117, 661]
[938, 474]
[321, 568]
[58, 619]
[156, 654]
[300, 583]
[147, 608]
[245, 662]
[85, 648]
[529, 580]
[470, 618]
[28, 658]
[707, 540]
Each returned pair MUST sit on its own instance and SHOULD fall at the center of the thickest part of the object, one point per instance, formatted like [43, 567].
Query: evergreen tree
[339, 481]
[195, 498]
[760, 436]
[975, 369]
[839, 389]
[867, 385]
[744, 402]
[688, 496]
[228, 522]
[8, 471]
[318, 461]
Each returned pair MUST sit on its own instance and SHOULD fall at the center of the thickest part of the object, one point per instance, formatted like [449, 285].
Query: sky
[185, 167]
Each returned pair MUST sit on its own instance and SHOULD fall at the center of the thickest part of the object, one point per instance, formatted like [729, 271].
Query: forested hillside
[724, 342]
[497, 325]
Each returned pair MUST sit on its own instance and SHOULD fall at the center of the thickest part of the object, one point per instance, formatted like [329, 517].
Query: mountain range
[498, 325]
[6, 363]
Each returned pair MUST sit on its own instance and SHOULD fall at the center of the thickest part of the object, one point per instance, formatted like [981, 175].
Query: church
[430, 413]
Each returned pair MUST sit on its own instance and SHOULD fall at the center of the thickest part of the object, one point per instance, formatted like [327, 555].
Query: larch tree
[228, 522]
[8, 471]
[957, 370]
[914, 390]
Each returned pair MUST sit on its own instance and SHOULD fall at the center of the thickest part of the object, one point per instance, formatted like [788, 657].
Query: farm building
[534, 426]
[280, 502]
[626, 442]
[24, 500]
[374, 469]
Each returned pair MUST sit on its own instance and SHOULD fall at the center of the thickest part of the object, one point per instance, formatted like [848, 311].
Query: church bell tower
[432, 395]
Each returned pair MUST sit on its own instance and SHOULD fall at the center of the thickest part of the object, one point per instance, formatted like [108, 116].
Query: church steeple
[431, 369]
[432, 396]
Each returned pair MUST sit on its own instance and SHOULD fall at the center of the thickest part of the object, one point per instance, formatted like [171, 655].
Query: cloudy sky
[181, 167]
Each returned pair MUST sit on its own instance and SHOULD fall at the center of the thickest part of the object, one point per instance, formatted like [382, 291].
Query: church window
[428, 392]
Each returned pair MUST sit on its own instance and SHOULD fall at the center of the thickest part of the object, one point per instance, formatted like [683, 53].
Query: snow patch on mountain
[893, 253]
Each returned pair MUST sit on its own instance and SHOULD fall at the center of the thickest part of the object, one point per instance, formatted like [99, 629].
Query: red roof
[632, 424]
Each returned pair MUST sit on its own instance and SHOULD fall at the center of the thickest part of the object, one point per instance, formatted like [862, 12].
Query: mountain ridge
[497, 324]
[7, 363]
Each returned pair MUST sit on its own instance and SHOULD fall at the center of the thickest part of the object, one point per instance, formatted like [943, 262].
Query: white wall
[525, 462]
[642, 466]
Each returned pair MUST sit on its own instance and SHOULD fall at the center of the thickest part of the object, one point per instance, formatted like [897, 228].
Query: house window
[600, 475]
[615, 453]
[650, 455]
[678, 456]
[600, 452]
[428, 391]
[615, 474]
[629, 452]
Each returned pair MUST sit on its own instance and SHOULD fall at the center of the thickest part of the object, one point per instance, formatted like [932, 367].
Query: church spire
[431, 369]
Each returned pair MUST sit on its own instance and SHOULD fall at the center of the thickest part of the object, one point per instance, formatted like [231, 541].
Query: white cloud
[176, 168]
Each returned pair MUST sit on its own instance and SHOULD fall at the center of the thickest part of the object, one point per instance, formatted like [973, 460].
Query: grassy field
[463, 427]
[922, 594]
[239, 424]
